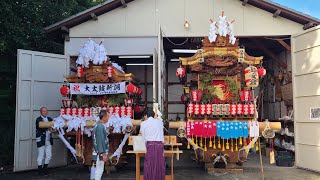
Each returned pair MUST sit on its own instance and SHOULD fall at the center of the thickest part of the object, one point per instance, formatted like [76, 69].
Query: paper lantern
[233, 109]
[74, 112]
[128, 102]
[183, 98]
[196, 95]
[245, 109]
[208, 109]
[110, 71]
[239, 109]
[139, 92]
[245, 95]
[86, 112]
[80, 112]
[117, 110]
[62, 111]
[196, 109]
[122, 111]
[79, 71]
[68, 111]
[214, 109]
[251, 77]
[202, 109]
[132, 89]
[190, 109]
[181, 72]
[129, 111]
[111, 110]
[64, 90]
[262, 72]
[251, 109]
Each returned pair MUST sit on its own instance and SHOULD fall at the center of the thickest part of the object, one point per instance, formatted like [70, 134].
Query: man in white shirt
[152, 133]
[44, 142]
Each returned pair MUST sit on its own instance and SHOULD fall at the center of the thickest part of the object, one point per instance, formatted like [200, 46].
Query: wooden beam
[309, 25]
[94, 16]
[277, 13]
[65, 29]
[244, 2]
[284, 44]
[124, 4]
[269, 53]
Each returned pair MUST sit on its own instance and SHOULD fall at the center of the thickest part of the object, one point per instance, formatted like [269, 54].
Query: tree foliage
[22, 23]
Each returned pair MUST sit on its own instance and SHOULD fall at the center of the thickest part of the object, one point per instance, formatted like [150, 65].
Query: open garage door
[40, 75]
[306, 97]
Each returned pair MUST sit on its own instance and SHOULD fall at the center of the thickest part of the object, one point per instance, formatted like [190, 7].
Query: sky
[310, 7]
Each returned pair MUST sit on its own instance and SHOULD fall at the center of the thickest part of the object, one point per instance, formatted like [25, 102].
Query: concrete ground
[185, 169]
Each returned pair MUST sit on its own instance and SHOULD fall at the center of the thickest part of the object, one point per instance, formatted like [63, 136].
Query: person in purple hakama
[152, 133]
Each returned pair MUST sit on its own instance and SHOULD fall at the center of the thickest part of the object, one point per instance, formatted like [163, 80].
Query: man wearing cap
[152, 133]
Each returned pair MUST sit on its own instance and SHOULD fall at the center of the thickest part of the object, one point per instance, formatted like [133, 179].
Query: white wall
[306, 94]
[141, 18]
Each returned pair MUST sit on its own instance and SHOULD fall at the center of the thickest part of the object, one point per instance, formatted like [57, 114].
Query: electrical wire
[176, 44]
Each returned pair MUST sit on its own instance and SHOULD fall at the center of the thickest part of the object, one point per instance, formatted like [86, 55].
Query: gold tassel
[205, 144]
[188, 146]
[222, 144]
[197, 141]
[240, 142]
[252, 144]
[201, 145]
[192, 140]
[236, 145]
[210, 142]
[219, 144]
[231, 145]
[227, 145]
[214, 143]
[257, 146]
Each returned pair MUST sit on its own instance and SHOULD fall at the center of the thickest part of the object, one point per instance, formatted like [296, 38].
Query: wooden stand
[169, 153]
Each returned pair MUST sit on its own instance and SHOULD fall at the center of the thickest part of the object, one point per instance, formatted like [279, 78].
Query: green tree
[22, 23]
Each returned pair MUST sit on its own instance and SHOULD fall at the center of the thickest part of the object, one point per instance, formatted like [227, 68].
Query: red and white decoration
[128, 102]
[245, 109]
[86, 112]
[209, 109]
[202, 109]
[67, 103]
[196, 95]
[233, 109]
[215, 109]
[110, 71]
[251, 109]
[190, 109]
[80, 71]
[196, 109]
[239, 109]
[245, 95]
